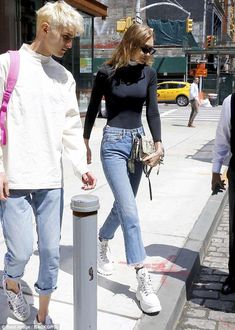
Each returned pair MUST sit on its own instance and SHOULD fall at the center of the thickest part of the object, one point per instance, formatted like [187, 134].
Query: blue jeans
[47, 205]
[115, 152]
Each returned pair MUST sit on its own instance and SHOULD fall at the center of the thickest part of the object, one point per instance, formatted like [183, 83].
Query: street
[180, 192]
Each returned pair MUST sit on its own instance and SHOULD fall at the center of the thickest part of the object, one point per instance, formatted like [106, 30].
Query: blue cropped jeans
[115, 151]
[16, 214]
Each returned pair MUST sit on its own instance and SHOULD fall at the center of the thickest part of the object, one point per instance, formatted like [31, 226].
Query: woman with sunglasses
[127, 82]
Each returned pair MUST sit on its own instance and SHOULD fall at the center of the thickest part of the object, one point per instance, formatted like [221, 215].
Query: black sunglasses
[148, 50]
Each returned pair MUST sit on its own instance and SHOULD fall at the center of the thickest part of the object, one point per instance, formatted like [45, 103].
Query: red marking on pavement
[166, 267]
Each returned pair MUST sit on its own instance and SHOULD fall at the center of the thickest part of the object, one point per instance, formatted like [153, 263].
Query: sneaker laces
[17, 300]
[104, 250]
[146, 284]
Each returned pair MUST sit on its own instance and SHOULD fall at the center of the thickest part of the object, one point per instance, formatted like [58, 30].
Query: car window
[162, 86]
[172, 86]
[180, 85]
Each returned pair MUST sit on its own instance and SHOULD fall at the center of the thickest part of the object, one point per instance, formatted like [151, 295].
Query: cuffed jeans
[47, 205]
[115, 152]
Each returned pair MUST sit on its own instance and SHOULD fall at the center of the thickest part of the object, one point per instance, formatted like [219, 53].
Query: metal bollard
[85, 261]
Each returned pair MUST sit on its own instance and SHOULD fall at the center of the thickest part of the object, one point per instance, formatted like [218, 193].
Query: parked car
[174, 91]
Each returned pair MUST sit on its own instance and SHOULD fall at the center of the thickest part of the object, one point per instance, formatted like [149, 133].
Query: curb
[174, 290]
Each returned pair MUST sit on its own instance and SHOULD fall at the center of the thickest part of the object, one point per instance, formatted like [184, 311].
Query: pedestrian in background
[194, 100]
[42, 120]
[127, 82]
[224, 150]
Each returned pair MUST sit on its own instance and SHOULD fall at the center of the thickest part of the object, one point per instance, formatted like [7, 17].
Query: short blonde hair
[60, 14]
[134, 38]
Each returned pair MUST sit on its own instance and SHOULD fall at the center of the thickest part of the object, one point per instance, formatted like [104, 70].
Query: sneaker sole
[101, 272]
[148, 309]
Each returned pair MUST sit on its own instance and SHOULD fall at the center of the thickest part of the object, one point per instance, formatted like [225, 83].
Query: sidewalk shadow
[206, 291]
[182, 264]
[66, 264]
[177, 261]
[203, 284]
[180, 125]
[116, 287]
[205, 153]
[5, 311]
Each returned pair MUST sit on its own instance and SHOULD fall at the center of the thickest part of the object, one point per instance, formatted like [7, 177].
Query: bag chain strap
[147, 174]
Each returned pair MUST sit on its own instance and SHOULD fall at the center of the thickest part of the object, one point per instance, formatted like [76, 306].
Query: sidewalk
[207, 308]
[175, 227]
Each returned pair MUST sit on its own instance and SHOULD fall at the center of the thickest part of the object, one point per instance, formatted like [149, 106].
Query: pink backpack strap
[10, 84]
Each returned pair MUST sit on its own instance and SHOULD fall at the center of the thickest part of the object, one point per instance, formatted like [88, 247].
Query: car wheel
[182, 101]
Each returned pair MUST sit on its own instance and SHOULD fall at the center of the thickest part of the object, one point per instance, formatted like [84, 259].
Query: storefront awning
[170, 64]
[91, 7]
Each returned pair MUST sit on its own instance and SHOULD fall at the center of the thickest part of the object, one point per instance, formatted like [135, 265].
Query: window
[86, 64]
[27, 20]
[180, 85]
[79, 60]
[173, 86]
[163, 86]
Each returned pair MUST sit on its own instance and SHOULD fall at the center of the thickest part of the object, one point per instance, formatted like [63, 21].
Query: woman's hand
[88, 151]
[89, 181]
[155, 158]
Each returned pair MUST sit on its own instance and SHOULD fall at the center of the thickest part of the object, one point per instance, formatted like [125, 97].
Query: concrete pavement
[172, 227]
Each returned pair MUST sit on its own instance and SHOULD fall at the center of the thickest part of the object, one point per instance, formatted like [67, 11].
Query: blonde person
[42, 120]
[127, 82]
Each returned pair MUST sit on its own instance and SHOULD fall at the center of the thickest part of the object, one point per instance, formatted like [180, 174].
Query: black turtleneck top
[125, 91]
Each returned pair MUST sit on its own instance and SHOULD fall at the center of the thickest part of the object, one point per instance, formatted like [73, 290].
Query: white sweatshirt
[222, 148]
[42, 121]
[194, 92]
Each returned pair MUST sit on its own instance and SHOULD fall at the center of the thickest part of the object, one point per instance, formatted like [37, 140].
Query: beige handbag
[143, 147]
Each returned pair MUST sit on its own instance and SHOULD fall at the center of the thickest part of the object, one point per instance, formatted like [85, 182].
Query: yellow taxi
[174, 91]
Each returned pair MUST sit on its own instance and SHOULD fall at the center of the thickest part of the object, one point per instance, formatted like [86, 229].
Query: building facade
[210, 18]
[215, 12]
[18, 25]
[106, 38]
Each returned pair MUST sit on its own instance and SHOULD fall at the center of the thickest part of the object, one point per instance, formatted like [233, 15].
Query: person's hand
[155, 158]
[89, 181]
[198, 101]
[4, 190]
[88, 151]
[217, 184]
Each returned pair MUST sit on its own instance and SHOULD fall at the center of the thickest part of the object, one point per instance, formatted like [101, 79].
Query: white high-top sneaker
[149, 301]
[104, 262]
